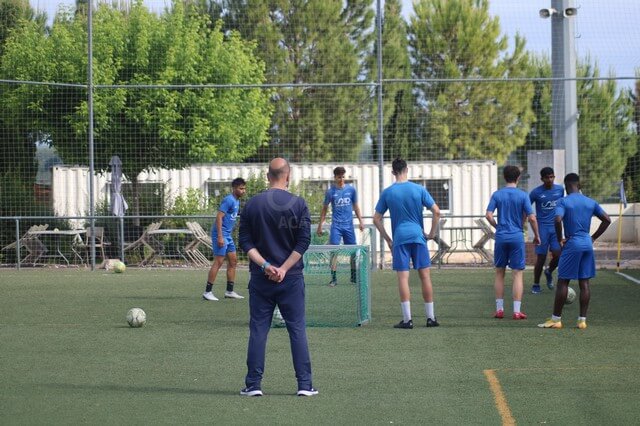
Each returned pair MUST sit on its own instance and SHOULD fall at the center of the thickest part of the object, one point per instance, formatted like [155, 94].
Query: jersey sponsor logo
[342, 201]
[548, 205]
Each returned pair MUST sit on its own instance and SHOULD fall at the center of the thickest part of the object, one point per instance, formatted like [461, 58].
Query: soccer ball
[136, 317]
[119, 268]
[571, 296]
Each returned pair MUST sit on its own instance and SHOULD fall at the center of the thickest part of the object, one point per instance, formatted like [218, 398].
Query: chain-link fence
[191, 94]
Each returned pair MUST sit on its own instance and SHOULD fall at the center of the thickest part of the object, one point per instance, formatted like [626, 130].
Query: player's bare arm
[356, 210]
[219, 218]
[605, 221]
[377, 222]
[323, 215]
[534, 225]
[435, 220]
[490, 219]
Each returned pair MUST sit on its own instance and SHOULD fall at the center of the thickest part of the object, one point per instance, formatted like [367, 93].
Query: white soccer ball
[119, 268]
[136, 317]
[571, 296]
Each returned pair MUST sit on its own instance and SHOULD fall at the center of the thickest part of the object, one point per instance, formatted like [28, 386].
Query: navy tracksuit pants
[264, 296]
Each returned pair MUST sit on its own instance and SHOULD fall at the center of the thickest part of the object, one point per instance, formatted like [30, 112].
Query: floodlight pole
[564, 105]
[380, 116]
[92, 241]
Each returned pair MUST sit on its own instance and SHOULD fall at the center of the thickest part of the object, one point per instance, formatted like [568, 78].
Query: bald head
[278, 171]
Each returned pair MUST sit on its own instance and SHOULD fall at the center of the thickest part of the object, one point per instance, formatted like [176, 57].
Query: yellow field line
[500, 399]
[585, 367]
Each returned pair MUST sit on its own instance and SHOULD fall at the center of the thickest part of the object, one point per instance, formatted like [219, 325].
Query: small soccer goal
[337, 285]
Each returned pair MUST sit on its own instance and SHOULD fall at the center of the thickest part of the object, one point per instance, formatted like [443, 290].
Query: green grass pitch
[67, 355]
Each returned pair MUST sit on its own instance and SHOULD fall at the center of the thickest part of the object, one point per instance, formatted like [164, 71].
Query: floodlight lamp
[547, 12]
[570, 11]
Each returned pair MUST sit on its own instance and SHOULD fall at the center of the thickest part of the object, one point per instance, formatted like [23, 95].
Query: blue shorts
[509, 253]
[548, 240]
[417, 253]
[228, 247]
[342, 232]
[577, 265]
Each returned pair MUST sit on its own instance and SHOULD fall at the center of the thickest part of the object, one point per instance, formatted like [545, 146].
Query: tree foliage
[459, 40]
[607, 140]
[17, 140]
[398, 103]
[312, 41]
[606, 135]
[148, 128]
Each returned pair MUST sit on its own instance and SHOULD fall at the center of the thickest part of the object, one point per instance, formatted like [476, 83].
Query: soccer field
[68, 356]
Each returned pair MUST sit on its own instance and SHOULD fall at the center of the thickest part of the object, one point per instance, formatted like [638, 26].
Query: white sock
[428, 310]
[582, 318]
[555, 318]
[516, 306]
[499, 304]
[406, 311]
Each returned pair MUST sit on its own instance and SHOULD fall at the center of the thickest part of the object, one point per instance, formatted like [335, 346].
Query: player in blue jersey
[577, 262]
[513, 206]
[223, 245]
[406, 201]
[275, 232]
[545, 197]
[343, 200]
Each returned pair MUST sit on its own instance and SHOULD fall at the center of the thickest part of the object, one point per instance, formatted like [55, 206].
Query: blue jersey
[576, 211]
[405, 202]
[342, 201]
[512, 204]
[229, 206]
[545, 200]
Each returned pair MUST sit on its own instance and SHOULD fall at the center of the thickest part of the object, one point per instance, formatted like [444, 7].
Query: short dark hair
[238, 182]
[398, 166]
[571, 179]
[339, 171]
[511, 173]
[546, 171]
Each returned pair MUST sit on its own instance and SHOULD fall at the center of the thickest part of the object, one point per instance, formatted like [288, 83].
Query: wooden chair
[200, 237]
[443, 246]
[100, 243]
[146, 241]
[487, 234]
[29, 241]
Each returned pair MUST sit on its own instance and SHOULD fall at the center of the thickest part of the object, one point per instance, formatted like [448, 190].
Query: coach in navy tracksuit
[275, 232]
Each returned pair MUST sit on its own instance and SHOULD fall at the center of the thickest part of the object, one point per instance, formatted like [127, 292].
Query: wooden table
[56, 236]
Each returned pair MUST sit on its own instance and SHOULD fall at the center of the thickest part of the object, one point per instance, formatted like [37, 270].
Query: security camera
[570, 11]
[546, 13]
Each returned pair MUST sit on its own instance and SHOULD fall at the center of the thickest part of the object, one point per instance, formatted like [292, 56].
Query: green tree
[463, 119]
[306, 42]
[632, 171]
[148, 128]
[398, 103]
[606, 136]
[17, 140]
[607, 141]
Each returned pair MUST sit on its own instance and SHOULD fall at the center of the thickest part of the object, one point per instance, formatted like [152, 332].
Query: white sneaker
[232, 295]
[209, 296]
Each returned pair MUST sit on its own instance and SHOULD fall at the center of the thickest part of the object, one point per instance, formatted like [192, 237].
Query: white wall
[630, 225]
[472, 183]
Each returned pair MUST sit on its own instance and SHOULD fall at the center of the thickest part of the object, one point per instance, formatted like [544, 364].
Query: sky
[606, 30]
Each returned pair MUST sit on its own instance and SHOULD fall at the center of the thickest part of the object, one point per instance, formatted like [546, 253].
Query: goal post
[346, 304]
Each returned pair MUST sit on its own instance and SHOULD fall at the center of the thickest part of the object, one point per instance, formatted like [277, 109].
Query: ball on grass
[571, 296]
[136, 317]
[119, 267]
